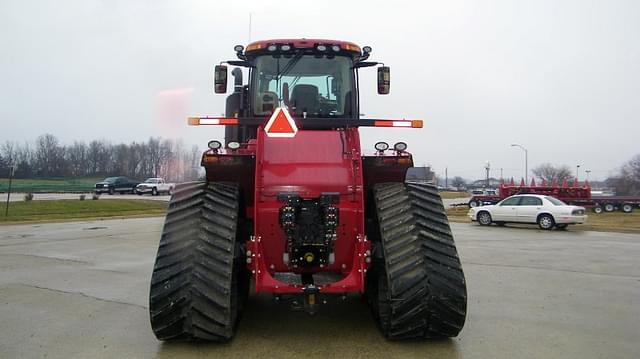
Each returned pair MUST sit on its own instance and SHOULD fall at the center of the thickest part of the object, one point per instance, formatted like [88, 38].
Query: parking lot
[80, 290]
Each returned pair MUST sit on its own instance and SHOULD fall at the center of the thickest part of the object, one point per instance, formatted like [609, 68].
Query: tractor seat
[266, 102]
[304, 98]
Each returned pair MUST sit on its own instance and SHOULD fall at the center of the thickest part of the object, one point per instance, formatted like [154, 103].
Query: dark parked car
[112, 185]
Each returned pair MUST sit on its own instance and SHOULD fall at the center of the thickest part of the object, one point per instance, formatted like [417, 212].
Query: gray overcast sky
[561, 78]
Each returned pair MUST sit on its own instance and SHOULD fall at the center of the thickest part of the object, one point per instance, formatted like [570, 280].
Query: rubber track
[193, 286]
[424, 292]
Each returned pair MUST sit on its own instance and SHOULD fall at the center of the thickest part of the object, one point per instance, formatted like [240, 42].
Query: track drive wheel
[416, 287]
[199, 280]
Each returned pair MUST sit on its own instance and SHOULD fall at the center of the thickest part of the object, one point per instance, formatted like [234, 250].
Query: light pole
[446, 178]
[487, 167]
[526, 161]
[577, 169]
[587, 172]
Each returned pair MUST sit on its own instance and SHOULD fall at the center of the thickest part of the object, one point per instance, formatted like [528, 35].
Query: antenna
[249, 27]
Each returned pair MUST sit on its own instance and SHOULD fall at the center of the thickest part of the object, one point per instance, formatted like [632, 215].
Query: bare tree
[24, 159]
[165, 156]
[192, 163]
[76, 158]
[549, 172]
[99, 156]
[156, 157]
[153, 156]
[8, 151]
[121, 158]
[4, 166]
[7, 158]
[458, 182]
[93, 157]
[627, 182]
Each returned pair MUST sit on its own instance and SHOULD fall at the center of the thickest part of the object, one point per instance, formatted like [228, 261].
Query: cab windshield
[309, 85]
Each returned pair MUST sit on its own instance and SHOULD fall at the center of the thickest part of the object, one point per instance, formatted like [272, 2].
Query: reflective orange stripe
[198, 121]
[398, 123]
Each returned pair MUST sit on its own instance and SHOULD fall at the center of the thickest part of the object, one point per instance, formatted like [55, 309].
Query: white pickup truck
[154, 186]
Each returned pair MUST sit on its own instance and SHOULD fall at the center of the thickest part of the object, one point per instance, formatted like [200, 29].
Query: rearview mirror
[220, 79]
[384, 80]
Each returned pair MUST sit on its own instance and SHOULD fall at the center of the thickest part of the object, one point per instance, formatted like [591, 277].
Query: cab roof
[304, 44]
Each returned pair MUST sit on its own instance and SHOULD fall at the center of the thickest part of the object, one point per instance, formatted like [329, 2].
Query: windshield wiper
[289, 66]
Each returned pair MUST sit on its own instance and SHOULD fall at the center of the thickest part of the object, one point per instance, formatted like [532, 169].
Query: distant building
[420, 173]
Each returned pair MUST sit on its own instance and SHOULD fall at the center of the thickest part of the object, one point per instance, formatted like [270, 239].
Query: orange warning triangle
[281, 124]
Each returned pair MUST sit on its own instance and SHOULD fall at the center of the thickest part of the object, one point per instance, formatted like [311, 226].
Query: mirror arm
[237, 63]
[366, 64]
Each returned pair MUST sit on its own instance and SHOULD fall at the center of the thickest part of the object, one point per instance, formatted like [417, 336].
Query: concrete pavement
[80, 290]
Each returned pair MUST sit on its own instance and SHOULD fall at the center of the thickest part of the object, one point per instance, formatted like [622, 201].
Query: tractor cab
[311, 79]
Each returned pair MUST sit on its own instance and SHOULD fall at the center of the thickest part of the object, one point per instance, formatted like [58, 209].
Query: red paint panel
[312, 162]
[309, 164]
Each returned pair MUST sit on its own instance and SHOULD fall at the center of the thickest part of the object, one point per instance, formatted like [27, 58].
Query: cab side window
[510, 201]
[531, 201]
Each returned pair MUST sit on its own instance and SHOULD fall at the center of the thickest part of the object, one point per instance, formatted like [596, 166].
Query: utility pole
[446, 178]
[526, 161]
[487, 167]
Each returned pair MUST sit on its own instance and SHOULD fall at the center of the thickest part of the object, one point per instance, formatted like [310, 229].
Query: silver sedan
[548, 212]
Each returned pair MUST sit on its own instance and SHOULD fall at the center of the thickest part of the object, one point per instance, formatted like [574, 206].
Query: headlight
[381, 146]
[214, 145]
[400, 146]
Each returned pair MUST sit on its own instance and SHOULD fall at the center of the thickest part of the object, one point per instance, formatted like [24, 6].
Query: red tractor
[291, 206]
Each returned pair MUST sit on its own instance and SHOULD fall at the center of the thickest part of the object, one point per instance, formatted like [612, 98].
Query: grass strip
[70, 209]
